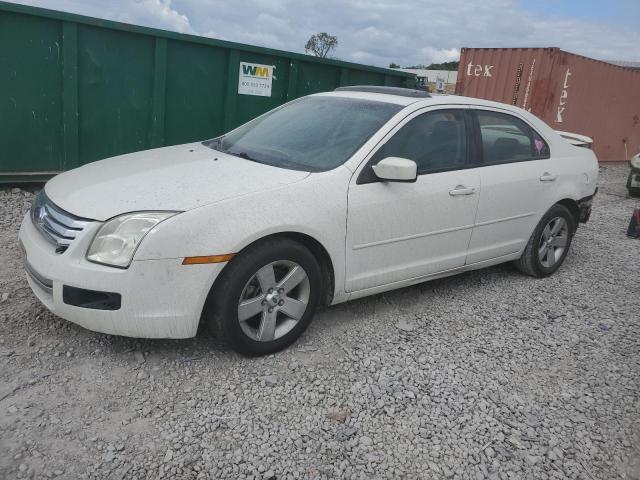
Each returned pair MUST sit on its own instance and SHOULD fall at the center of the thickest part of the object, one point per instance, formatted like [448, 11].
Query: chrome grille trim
[64, 218]
[59, 229]
[56, 225]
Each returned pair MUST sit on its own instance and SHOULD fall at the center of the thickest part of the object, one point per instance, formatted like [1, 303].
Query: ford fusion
[328, 198]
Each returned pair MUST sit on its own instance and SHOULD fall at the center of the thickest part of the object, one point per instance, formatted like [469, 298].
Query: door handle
[462, 190]
[547, 177]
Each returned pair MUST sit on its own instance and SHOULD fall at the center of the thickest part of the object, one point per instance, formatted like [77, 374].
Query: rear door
[402, 231]
[517, 176]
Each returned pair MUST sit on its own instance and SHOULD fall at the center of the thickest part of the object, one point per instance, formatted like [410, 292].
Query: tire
[253, 286]
[540, 259]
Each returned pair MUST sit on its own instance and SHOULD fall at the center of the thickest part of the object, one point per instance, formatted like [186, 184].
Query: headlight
[635, 161]
[117, 240]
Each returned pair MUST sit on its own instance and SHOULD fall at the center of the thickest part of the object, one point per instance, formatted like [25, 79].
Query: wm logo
[255, 71]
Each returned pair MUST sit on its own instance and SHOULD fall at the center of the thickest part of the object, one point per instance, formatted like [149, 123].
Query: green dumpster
[75, 89]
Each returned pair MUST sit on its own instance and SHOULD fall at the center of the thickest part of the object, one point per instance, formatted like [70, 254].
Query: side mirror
[395, 169]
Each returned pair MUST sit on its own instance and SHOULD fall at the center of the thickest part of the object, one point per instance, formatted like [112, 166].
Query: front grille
[56, 225]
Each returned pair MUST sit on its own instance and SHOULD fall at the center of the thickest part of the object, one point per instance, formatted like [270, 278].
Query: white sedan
[328, 198]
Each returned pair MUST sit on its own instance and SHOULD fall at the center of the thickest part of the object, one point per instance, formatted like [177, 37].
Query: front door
[402, 231]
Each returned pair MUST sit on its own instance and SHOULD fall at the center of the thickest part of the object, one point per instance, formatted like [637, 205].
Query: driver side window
[435, 140]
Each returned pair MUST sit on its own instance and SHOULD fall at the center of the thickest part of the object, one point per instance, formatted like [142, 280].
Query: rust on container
[568, 91]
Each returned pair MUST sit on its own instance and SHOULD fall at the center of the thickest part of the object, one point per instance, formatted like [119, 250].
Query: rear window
[506, 138]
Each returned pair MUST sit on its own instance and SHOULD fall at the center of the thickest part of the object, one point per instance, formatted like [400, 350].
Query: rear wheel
[549, 244]
[266, 297]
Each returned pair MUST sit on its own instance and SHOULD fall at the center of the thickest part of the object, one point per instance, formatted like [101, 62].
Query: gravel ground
[488, 374]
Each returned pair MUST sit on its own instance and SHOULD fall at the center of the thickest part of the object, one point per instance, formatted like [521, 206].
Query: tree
[394, 65]
[451, 66]
[321, 44]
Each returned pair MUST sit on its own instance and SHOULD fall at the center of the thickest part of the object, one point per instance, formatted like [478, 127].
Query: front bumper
[156, 298]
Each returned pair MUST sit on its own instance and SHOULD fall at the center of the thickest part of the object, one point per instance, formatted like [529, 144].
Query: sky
[378, 32]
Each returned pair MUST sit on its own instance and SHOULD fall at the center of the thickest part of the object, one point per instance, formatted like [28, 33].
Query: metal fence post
[230, 103]
[159, 88]
[70, 135]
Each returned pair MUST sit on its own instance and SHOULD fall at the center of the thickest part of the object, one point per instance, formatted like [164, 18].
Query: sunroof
[403, 92]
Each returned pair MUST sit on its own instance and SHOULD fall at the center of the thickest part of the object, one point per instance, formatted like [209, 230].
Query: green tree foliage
[451, 66]
[321, 44]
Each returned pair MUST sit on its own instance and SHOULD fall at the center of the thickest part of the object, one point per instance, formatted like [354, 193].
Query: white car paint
[389, 224]
[396, 169]
[378, 238]
[575, 138]
[154, 180]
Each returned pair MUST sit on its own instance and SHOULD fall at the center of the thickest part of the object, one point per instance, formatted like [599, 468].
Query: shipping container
[569, 92]
[75, 89]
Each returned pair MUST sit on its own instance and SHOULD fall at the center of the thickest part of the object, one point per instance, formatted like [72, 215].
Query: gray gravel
[488, 374]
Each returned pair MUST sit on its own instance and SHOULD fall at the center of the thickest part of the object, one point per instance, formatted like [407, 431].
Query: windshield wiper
[244, 155]
[215, 143]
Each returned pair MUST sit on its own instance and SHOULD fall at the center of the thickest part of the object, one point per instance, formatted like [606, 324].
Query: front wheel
[549, 244]
[266, 297]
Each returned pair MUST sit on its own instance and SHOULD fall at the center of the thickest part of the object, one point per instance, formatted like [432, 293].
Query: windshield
[313, 134]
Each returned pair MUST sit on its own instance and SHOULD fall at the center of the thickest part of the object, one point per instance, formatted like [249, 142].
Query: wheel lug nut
[281, 290]
[281, 302]
[264, 302]
[270, 290]
[270, 309]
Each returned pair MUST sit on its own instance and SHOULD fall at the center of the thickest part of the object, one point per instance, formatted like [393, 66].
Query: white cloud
[150, 13]
[441, 55]
[158, 13]
[375, 31]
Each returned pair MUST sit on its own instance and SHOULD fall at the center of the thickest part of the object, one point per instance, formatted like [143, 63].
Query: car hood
[178, 178]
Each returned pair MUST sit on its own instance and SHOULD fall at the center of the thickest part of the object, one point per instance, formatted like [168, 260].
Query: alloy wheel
[553, 241]
[273, 301]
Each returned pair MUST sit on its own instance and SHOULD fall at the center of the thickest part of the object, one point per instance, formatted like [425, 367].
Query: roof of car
[434, 99]
[398, 91]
